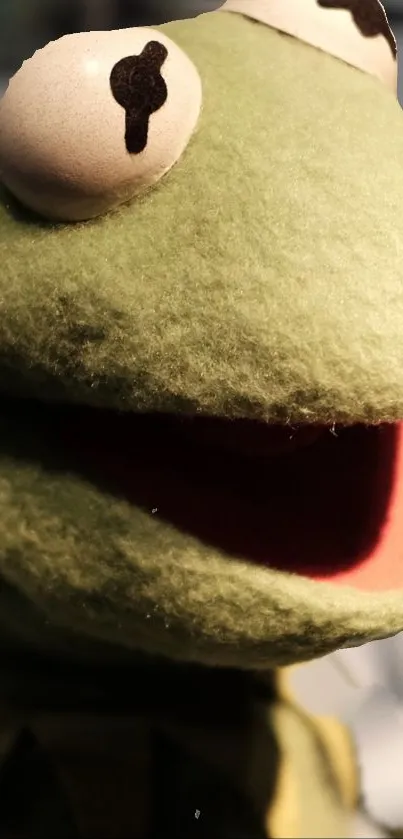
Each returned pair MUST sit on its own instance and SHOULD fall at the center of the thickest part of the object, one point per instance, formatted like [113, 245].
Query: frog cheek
[95, 119]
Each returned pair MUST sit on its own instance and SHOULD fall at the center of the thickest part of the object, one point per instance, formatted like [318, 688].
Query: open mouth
[316, 501]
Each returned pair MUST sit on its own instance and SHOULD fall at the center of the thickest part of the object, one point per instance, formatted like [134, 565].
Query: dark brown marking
[369, 17]
[138, 86]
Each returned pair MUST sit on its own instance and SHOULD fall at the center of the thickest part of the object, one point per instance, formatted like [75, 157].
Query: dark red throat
[317, 501]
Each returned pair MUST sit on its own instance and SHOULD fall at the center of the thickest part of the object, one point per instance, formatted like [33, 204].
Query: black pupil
[139, 87]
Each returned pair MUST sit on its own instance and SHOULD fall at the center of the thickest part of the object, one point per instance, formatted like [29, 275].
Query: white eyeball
[94, 119]
[356, 31]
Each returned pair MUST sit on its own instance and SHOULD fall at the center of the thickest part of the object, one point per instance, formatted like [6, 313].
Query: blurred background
[26, 25]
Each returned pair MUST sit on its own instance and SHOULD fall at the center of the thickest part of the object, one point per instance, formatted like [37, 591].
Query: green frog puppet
[201, 448]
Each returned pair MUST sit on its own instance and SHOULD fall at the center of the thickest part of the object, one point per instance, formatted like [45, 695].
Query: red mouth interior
[320, 502]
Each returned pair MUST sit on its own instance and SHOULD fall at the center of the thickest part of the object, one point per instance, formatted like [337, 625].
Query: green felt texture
[262, 277]
[92, 562]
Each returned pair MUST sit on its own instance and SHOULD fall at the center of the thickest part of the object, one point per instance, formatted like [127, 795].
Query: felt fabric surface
[95, 563]
[275, 294]
[261, 278]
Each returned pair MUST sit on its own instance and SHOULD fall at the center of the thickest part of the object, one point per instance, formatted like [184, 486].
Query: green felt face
[262, 280]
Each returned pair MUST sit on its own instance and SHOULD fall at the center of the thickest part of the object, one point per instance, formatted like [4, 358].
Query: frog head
[201, 335]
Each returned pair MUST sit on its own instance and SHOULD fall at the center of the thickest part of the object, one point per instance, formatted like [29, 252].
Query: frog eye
[356, 31]
[94, 119]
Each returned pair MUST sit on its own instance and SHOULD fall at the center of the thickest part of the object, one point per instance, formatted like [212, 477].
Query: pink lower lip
[330, 508]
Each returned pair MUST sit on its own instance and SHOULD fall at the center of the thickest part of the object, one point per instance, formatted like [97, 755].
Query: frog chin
[320, 502]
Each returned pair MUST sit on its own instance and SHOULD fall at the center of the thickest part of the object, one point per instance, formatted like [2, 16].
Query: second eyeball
[94, 119]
